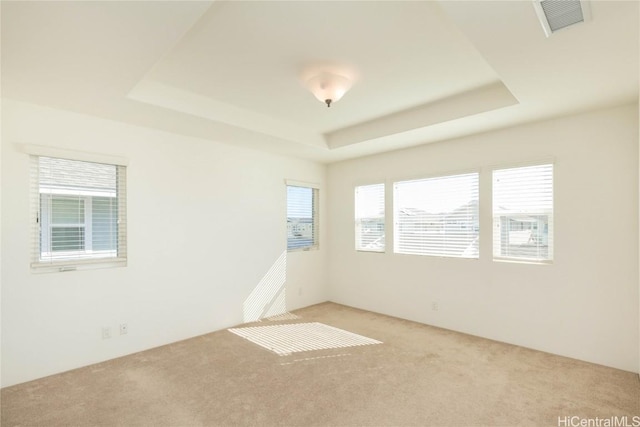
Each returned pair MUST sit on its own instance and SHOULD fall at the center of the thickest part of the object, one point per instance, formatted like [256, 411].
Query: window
[523, 213]
[437, 216]
[370, 218]
[78, 212]
[302, 217]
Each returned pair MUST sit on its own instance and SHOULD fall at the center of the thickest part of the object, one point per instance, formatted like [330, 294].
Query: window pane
[104, 223]
[369, 209]
[67, 210]
[67, 239]
[523, 213]
[301, 217]
[437, 216]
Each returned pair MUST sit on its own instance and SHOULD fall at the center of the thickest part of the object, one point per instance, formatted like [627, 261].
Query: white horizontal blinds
[437, 216]
[302, 217]
[34, 209]
[369, 210]
[80, 210]
[523, 213]
[120, 213]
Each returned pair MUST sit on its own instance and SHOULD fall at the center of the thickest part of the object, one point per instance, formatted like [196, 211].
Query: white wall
[206, 223]
[584, 305]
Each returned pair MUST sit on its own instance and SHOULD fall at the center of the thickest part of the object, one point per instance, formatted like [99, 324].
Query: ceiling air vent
[555, 15]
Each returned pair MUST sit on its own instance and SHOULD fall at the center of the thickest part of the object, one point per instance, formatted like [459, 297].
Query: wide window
[302, 217]
[523, 213]
[369, 210]
[78, 212]
[437, 216]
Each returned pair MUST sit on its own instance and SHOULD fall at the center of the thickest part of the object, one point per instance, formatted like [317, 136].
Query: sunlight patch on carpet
[296, 337]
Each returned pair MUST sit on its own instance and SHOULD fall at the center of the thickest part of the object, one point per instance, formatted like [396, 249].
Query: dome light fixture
[328, 87]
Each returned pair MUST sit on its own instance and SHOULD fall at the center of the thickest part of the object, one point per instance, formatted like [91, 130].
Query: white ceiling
[233, 72]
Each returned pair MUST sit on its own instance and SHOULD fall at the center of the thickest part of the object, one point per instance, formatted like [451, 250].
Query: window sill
[307, 249]
[523, 261]
[370, 251]
[75, 265]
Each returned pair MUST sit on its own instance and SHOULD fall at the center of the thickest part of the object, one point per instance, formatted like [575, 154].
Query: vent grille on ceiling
[555, 15]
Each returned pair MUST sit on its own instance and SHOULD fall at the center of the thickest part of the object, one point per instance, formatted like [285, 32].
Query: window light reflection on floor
[296, 337]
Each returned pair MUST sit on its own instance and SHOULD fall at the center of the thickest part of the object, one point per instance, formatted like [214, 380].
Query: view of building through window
[523, 213]
[80, 214]
[437, 216]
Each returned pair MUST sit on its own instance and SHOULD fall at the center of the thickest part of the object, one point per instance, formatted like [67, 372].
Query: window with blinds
[78, 212]
[437, 216]
[523, 213]
[369, 212]
[302, 217]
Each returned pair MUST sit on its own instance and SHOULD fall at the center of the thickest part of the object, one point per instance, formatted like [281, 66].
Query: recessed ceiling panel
[251, 56]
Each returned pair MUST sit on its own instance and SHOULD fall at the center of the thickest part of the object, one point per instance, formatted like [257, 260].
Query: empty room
[320, 213]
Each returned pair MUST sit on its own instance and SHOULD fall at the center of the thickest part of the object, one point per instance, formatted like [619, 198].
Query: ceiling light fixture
[328, 87]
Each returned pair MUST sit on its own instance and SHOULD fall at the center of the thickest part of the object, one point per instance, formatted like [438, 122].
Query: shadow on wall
[269, 296]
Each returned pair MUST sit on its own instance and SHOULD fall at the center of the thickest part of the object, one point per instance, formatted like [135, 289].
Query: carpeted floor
[418, 376]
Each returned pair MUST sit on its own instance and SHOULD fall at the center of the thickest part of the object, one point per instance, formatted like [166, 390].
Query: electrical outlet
[124, 328]
[106, 332]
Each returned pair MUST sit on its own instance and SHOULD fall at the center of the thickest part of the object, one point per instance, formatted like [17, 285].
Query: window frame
[550, 216]
[46, 262]
[315, 213]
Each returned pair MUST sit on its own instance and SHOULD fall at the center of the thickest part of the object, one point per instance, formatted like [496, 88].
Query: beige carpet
[418, 376]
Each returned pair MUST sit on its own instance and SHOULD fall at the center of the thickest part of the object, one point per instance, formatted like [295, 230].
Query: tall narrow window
[370, 218]
[302, 217]
[437, 216]
[523, 213]
[79, 212]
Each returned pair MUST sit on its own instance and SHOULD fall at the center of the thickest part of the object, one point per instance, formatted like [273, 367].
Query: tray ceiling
[233, 72]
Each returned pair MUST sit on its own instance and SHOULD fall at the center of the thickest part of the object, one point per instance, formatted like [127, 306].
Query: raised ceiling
[233, 71]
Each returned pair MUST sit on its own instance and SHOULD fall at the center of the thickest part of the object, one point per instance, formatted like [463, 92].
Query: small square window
[79, 212]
